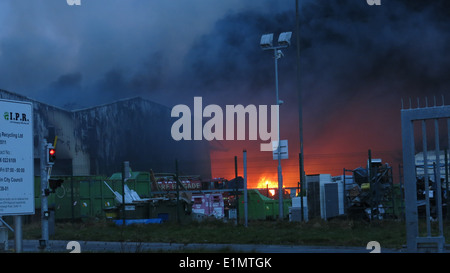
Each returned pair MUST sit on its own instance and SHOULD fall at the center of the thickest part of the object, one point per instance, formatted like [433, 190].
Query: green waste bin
[260, 207]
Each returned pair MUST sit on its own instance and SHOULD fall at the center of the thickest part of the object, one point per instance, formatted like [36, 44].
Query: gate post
[408, 116]
[412, 227]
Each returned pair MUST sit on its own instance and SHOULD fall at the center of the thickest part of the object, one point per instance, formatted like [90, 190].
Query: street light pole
[266, 43]
[276, 56]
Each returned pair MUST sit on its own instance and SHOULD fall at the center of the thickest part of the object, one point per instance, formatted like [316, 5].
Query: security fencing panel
[427, 201]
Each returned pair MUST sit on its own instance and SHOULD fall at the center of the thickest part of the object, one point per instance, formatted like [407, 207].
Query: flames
[267, 182]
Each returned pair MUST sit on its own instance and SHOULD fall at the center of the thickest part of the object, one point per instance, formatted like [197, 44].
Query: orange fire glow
[267, 182]
[331, 144]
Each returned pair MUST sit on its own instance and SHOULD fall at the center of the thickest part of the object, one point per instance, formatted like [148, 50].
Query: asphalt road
[133, 247]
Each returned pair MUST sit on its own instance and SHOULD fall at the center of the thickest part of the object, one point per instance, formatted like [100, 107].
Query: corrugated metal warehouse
[96, 140]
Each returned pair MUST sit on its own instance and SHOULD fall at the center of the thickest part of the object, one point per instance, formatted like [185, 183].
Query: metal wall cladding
[95, 140]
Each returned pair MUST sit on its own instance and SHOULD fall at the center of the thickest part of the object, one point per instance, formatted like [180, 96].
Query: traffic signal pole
[48, 156]
[44, 202]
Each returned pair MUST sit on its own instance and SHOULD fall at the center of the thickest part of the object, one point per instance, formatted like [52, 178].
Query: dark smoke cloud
[144, 82]
[229, 57]
[398, 48]
[352, 55]
[142, 43]
[348, 50]
[357, 63]
[118, 49]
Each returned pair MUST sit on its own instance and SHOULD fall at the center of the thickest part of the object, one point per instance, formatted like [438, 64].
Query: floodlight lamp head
[279, 54]
[266, 41]
[285, 39]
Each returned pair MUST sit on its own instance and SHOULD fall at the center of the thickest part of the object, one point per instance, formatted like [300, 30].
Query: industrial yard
[168, 197]
[350, 210]
[148, 122]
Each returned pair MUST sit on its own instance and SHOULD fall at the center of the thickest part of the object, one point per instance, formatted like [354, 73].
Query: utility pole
[236, 192]
[125, 175]
[178, 190]
[245, 189]
[300, 102]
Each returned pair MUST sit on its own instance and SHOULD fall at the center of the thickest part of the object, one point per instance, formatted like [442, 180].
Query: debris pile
[370, 194]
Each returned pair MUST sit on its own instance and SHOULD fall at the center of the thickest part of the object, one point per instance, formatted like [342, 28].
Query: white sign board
[283, 149]
[16, 158]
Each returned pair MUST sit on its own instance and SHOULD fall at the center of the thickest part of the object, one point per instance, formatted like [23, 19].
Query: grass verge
[337, 232]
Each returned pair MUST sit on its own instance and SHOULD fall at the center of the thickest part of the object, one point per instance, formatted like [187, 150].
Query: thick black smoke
[357, 63]
[348, 49]
[229, 58]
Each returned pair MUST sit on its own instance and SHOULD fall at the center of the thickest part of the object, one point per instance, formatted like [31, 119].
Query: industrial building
[96, 140]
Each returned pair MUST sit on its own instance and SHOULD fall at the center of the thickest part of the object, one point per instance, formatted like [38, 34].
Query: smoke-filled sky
[356, 63]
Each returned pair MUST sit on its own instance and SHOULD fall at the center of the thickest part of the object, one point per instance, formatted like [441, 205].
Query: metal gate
[422, 116]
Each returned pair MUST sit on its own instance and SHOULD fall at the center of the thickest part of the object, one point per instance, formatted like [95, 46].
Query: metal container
[83, 197]
[261, 207]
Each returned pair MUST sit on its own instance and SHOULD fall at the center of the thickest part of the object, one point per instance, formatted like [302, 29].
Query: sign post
[280, 151]
[16, 162]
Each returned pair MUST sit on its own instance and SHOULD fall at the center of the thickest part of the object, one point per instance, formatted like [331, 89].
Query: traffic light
[55, 183]
[51, 154]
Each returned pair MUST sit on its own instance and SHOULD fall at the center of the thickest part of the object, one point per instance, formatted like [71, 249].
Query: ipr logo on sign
[12, 116]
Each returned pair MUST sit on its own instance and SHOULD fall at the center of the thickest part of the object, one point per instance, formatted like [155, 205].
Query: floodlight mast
[266, 43]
